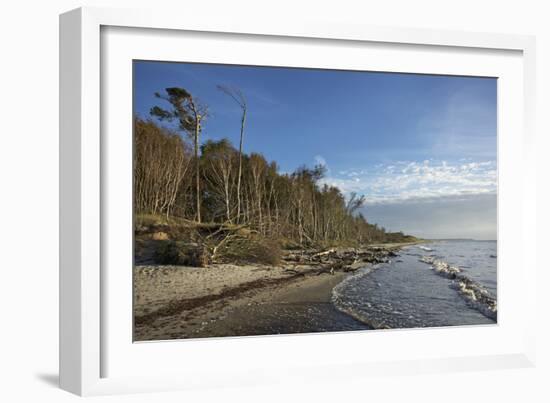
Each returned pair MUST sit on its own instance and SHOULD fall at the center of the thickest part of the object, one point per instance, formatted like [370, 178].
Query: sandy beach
[177, 302]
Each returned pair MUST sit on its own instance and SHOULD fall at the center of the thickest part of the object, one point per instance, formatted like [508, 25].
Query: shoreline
[180, 302]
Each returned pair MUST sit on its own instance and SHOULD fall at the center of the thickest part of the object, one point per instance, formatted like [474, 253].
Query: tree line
[214, 182]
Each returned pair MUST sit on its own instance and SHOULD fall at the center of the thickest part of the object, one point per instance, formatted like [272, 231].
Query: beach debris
[323, 253]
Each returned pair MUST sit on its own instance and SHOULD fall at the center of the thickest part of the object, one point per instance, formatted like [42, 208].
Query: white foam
[475, 294]
[347, 307]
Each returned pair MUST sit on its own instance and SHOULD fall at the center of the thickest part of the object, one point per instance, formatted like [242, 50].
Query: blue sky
[412, 144]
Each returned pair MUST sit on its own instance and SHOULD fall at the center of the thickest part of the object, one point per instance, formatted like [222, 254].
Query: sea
[438, 283]
[433, 284]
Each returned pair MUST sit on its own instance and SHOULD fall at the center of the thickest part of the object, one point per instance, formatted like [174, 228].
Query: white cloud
[426, 180]
[320, 160]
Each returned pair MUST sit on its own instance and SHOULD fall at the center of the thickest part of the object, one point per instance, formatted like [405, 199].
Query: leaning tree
[190, 115]
[239, 98]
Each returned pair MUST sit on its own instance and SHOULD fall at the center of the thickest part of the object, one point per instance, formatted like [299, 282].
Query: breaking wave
[477, 296]
[348, 306]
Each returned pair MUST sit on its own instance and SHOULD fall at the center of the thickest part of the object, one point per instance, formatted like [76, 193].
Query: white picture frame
[96, 356]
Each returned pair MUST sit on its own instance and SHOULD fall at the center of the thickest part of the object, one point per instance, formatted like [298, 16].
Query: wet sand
[292, 304]
[302, 307]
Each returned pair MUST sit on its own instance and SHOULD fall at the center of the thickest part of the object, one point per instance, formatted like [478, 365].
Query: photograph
[274, 200]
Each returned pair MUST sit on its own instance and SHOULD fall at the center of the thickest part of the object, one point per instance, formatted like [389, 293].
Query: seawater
[413, 291]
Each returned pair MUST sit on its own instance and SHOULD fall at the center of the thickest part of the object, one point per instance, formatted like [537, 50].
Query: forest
[214, 185]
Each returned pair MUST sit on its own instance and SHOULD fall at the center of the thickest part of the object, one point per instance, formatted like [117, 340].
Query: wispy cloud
[464, 124]
[426, 180]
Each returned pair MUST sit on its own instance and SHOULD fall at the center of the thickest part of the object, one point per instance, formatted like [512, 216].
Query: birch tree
[218, 164]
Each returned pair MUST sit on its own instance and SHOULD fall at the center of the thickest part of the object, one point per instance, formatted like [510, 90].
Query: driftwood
[334, 260]
[218, 245]
[324, 253]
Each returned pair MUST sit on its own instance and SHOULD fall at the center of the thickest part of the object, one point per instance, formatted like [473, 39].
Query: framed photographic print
[241, 201]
